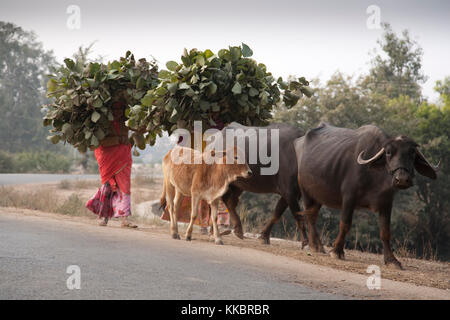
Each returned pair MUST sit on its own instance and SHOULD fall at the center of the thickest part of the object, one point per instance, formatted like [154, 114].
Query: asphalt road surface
[116, 263]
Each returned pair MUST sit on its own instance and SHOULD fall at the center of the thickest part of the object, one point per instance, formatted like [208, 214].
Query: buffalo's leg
[299, 219]
[279, 209]
[214, 207]
[194, 209]
[311, 214]
[231, 200]
[344, 227]
[385, 235]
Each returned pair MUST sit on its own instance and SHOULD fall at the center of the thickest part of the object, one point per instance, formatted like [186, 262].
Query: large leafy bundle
[216, 89]
[83, 96]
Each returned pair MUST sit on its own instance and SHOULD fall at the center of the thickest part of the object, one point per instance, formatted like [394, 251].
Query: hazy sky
[302, 38]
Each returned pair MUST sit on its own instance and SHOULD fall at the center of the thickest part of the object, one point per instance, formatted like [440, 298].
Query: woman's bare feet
[127, 224]
[103, 222]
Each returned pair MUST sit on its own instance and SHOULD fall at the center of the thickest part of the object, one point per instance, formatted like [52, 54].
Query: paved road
[127, 264]
[22, 178]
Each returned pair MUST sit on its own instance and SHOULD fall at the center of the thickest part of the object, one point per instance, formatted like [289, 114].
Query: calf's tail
[162, 200]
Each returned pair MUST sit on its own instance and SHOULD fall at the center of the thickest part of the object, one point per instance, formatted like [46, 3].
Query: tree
[397, 69]
[433, 134]
[340, 102]
[23, 66]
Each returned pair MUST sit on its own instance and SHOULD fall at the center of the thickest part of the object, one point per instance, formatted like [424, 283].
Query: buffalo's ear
[423, 166]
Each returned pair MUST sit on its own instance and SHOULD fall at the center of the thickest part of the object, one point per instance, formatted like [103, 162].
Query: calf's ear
[424, 167]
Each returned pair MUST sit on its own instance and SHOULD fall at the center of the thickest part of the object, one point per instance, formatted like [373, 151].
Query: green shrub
[42, 161]
[6, 162]
[73, 206]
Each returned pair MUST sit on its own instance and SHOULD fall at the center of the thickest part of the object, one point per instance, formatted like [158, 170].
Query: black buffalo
[283, 182]
[351, 169]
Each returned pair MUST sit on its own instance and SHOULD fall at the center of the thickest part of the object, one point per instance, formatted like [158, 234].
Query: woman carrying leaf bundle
[88, 111]
[113, 199]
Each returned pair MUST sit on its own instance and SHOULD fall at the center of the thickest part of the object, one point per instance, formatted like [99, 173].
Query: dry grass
[138, 181]
[143, 181]
[79, 184]
[43, 199]
[69, 197]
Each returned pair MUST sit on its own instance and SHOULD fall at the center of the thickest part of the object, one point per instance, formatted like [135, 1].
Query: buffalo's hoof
[304, 243]
[316, 247]
[188, 238]
[219, 242]
[176, 236]
[394, 262]
[319, 249]
[337, 254]
[239, 234]
[264, 239]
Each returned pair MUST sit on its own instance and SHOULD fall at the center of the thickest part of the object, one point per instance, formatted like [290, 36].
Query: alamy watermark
[373, 22]
[74, 280]
[74, 19]
[219, 143]
[374, 281]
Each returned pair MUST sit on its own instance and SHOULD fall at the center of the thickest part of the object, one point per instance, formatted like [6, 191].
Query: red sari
[114, 164]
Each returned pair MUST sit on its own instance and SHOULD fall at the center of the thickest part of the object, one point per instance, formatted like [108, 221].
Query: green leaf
[95, 116]
[200, 60]
[52, 84]
[212, 88]
[115, 65]
[204, 105]
[140, 83]
[215, 107]
[174, 117]
[184, 85]
[237, 88]
[224, 54]
[54, 139]
[235, 53]
[94, 68]
[98, 103]
[253, 92]
[147, 100]
[246, 51]
[69, 63]
[160, 91]
[208, 53]
[307, 91]
[99, 134]
[67, 129]
[94, 141]
[172, 87]
[172, 65]
[164, 75]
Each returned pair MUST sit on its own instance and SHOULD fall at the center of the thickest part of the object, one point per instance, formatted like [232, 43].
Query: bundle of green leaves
[83, 95]
[214, 88]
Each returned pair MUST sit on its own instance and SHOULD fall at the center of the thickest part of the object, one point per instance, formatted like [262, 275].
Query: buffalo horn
[375, 157]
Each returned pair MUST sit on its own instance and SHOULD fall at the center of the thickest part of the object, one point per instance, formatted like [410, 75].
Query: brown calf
[187, 173]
